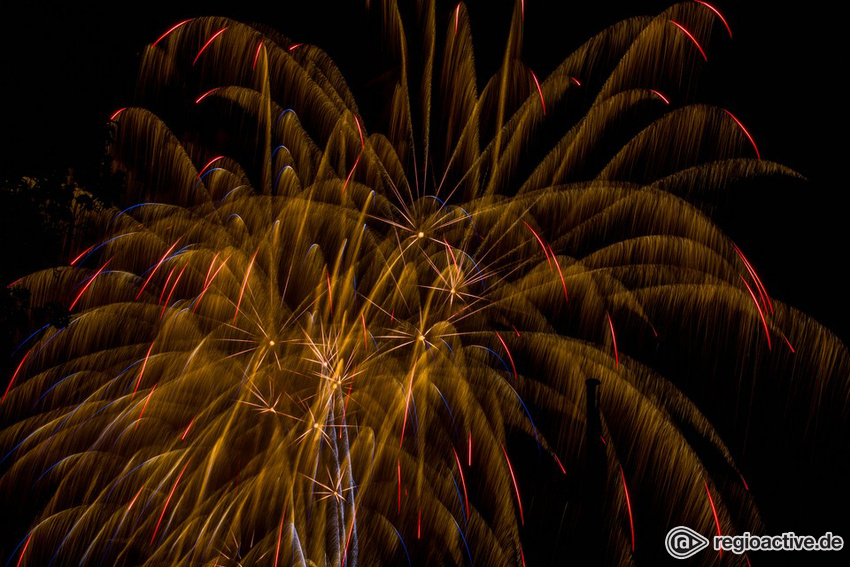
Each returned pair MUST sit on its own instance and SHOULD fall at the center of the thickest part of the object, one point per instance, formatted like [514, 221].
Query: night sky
[68, 67]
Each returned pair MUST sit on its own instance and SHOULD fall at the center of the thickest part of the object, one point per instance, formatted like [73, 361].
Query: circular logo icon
[683, 542]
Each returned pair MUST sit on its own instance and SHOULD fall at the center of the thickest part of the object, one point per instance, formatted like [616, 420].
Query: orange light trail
[209, 163]
[719, 15]
[279, 537]
[244, 283]
[136, 497]
[787, 342]
[407, 406]
[24, 550]
[516, 487]
[144, 365]
[167, 280]
[539, 92]
[205, 95]
[158, 264]
[168, 300]
[330, 291]
[761, 314]
[629, 506]
[542, 245]
[561, 274]
[746, 132]
[614, 340]
[661, 96]
[511, 358]
[166, 34]
[350, 173]
[208, 284]
[80, 295]
[15, 375]
[257, 55]
[765, 298]
[360, 132]
[145, 405]
[560, 464]
[713, 511]
[83, 253]
[185, 433]
[692, 38]
[207, 44]
[398, 464]
[164, 508]
[462, 482]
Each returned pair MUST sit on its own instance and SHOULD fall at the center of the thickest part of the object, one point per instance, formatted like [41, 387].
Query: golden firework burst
[308, 343]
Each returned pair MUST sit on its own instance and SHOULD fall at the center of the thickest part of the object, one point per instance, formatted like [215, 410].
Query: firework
[310, 343]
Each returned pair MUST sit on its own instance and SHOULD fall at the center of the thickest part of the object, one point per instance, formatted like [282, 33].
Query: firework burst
[309, 343]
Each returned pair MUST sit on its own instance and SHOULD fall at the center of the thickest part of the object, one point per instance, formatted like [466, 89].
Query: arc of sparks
[166, 34]
[516, 486]
[691, 37]
[629, 507]
[614, 340]
[746, 133]
[718, 14]
[207, 44]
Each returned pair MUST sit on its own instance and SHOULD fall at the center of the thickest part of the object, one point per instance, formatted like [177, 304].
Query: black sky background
[67, 67]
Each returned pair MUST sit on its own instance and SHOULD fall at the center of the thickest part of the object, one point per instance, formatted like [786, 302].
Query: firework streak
[305, 343]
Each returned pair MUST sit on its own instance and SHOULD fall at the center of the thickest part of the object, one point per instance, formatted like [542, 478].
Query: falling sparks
[24, 550]
[516, 487]
[257, 55]
[746, 133]
[186, 432]
[691, 37]
[167, 500]
[511, 358]
[245, 283]
[614, 341]
[628, 507]
[540, 241]
[207, 44]
[88, 284]
[15, 375]
[205, 95]
[539, 92]
[661, 96]
[207, 166]
[713, 511]
[463, 483]
[718, 14]
[167, 33]
[560, 274]
[156, 267]
[761, 313]
[765, 298]
[142, 371]
[254, 351]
